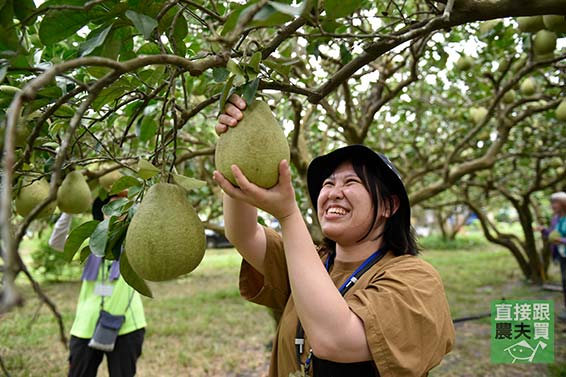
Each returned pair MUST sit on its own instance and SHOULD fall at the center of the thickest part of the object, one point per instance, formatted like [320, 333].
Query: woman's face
[345, 208]
[558, 207]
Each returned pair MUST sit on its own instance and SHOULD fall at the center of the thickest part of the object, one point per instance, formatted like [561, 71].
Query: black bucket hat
[323, 166]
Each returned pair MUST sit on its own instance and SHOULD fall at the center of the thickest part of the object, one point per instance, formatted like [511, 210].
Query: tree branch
[464, 11]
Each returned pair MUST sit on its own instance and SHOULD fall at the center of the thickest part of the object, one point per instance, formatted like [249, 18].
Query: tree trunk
[504, 240]
[441, 223]
[538, 275]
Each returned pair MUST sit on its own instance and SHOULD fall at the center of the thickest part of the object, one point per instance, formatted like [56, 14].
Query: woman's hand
[232, 114]
[278, 201]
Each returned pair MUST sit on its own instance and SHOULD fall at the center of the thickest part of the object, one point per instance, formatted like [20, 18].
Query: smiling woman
[362, 304]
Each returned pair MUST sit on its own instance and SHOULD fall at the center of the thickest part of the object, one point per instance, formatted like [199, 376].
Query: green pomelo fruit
[530, 24]
[478, 114]
[256, 145]
[561, 111]
[528, 86]
[165, 238]
[556, 23]
[464, 63]
[509, 97]
[544, 42]
[31, 194]
[74, 194]
[22, 134]
[108, 179]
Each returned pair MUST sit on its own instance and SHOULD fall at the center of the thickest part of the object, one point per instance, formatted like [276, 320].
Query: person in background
[556, 234]
[363, 304]
[103, 288]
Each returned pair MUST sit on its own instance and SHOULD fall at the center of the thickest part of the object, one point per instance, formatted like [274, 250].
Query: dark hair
[97, 208]
[398, 235]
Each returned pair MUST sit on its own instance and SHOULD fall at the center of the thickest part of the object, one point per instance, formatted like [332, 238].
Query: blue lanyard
[368, 263]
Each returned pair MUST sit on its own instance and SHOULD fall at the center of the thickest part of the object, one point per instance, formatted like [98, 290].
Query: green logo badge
[522, 331]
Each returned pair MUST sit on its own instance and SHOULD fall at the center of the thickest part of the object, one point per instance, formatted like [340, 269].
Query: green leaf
[255, 60]
[251, 74]
[85, 252]
[126, 43]
[143, 23]
[116, 236]
[188, 183]
[234, 16]
[99, 238]
[115, 207]
[345, 54]
[329, 25]
[77, 237]
[146, 170]
[24, 9]
[60, 24]
[111, 93]
[249, 90]
[96, 38]
[146, 128]
[9, 40]
[283, 69]
[51, 91]
[149, 48]
[65, 111]
[226, 92]
[219, 74]
[268, 16]
[114, 43]
[234, 68]
[132, 278]
[340, 8]
[123, 183]
[180, 29]
[288, 9]
[152, 76]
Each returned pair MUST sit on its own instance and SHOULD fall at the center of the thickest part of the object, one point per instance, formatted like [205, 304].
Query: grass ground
[199, 325]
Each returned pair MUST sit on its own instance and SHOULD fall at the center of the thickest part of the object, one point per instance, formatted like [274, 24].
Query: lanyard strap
[104, 280]
[368, 263]
[349, 283]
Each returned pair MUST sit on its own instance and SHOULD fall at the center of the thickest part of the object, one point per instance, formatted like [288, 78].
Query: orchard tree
[524, 175]
[135, 86]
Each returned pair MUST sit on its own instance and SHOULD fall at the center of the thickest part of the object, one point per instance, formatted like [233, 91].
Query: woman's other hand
[233, 113]
[278, 200]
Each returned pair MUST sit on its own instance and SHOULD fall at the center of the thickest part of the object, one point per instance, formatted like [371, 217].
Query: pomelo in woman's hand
[256, 145]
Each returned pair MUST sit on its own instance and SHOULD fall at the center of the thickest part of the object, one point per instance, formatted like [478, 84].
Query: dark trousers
[84, 361]
[562, 262]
